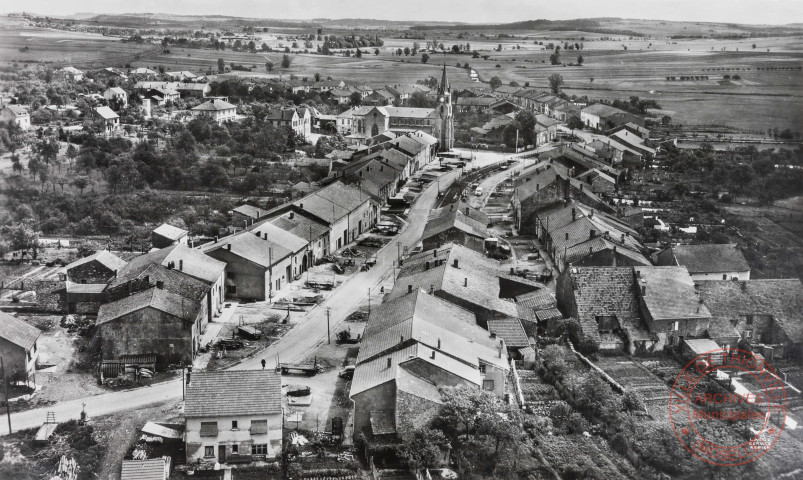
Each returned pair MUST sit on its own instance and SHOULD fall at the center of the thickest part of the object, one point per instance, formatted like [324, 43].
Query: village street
[294, 346]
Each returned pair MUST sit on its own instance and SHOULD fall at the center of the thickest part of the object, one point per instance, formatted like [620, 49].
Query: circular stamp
[753, 401]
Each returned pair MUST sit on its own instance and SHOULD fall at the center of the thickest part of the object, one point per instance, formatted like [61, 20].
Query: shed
[152, 469]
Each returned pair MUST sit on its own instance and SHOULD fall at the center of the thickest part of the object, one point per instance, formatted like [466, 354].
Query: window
[209, 429]
[234, 424]
[747, 334]
[259, 427]
[675, 326]
[482, 369]
[488, 385]
[259, 449]
[235, 449]
[749, 319]
[209, 451]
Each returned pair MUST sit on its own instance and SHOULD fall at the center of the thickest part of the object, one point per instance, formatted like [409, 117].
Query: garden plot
[630, 375]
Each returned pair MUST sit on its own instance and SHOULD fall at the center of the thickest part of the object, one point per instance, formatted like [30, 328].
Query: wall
[248, 277]
[50, 295]
[564, 294]
[149, 331]
[381, 397]
[413, 412]
[15, 358]
[90, 272]
[745, 275]
[195, 443]
[438, 376]
[457, 236]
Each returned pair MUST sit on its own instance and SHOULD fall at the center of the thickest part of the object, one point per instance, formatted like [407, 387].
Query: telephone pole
[328, 335]
[5, 388]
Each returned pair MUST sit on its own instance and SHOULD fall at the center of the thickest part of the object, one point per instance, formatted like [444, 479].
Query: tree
[358, 54]
[495, 82]
[221, 65]
[23, 237]
[269, 66]
[555, 82]
[407, 51]
[287, 60]
[424, 58]
[455, 49]
[554, 59]
[80, 183]
[422, 448]
[580, 60]
[355, 99]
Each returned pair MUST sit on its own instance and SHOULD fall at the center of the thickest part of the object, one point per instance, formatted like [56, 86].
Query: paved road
[293, 347]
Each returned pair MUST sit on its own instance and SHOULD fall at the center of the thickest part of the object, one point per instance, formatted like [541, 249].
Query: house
[376, 175]
[305, 125]
[768, 314]
[256, 267]
[346, 209]
[603, 117]
[708, 262]
[196, 89]
[598, 181]
[453, 224]
[379, 98]
[143, 72]
[246, 215]
[303, 225]
[218, 110]
[151, 469]
[18, 347]
[111, 72]
[165, 235]
[546, 129]
[117, 95]
[327, 85]
[505, 91]
[474, 104]
[233, 416]
[412, 346]
[502, 107]
[110, 119]
[99, 268]
[290, 118]
[181, 76]
[302, 257]
[401, 93]
[17, 115]
[493, 130]
[463, 277]
[152, 321]
[341, 95]
[68, 74]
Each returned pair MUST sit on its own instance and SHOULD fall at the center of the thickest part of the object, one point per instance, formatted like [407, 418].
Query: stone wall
[50, 295]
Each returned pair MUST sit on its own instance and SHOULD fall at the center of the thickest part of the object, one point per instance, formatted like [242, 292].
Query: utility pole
[5, 388]
[398, 250]
[369, 300]
[328, 335]
[183, 379]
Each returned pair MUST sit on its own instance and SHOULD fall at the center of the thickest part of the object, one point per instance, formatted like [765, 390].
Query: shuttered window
[209, 429]
[259, 427]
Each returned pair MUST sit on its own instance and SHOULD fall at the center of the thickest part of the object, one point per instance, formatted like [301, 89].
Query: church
[364, 124]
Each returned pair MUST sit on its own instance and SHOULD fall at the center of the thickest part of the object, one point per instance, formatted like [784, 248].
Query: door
[221, 453]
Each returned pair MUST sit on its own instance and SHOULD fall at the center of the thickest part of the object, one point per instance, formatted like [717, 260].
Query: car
[347, 373]
[478, 191]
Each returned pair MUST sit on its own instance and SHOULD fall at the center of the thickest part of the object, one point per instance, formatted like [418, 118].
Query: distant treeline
[585, 25]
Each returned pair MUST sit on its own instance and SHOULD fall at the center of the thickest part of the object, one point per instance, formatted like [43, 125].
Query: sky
[472, 11]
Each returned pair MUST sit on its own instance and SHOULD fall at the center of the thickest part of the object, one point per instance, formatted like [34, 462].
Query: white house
[68, 74]
[111, 119]
[216, 109]
[233, 416]
[118, 94]
[16, 114]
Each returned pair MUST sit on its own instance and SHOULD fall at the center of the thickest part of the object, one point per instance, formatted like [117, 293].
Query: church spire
[444, 86]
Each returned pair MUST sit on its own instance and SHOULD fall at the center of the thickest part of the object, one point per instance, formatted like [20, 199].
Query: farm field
[62, 48]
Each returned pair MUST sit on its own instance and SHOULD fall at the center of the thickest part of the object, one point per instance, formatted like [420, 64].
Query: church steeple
[444, 86]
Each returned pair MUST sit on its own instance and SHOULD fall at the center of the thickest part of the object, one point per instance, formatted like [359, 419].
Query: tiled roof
[170, 232]
[475, 101]
[300, 225]
[17, 331]
[781, 298]
[213, 105]
[409, 383]
[104, 257]
[250, 211]
[117, 90]
[454, 219]
[408, 145]
[193, 262]
[510, 330]
[710, 258]
[106, 112]
[279, 235]
[174, 281]
[670, 293]
[156, 298]
[233, 393]
[548, 314]
[462, 206]
[423, 138]
[475, 280]
[281, 114]
[601, 110]
[409, 112]
[152, 469]
[248, 246]
[720, 327]
[579, 251]
[332, 202]
[16, 110]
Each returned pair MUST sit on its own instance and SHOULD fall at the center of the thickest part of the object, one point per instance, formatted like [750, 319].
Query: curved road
[293, 347]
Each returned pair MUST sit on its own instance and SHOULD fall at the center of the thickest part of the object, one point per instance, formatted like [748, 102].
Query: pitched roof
[332, 202]
[781, 298]
[117, 90]
[300, 225]
[233, 393]
[455, 219]
[213, 105]
[156, 298]
[476, 101]
[711, 258]
[104, 257]
[409, 112]
[152, 469]
[17, 331]
[601, 110]
[604, 291]
[281, 114]
[670, 293]
[106, 112]
[510, 330]
[248, 246]
[170, 232]
[279, 235]
[250, 211]
[192, 262]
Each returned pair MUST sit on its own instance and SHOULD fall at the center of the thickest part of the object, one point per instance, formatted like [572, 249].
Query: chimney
[466, 211]
[456, 263]
[160, 284]
[390, 362]
[501, 347]
[433, 354]
[590, 215]
[567, 235]
[512, 270]
[623, 238]
[592, 233]
[401, 339]
[426, 266]
[301, 206]
[228, 246]
[292, 214]
[216, 239]
[574, 214]
[451, 208]
[266, 235]
[439, 344]
[465, 282]
[115, 273]
[181, 264]
[643, 288]
[409, 289]
[435, 252]
[432, 289]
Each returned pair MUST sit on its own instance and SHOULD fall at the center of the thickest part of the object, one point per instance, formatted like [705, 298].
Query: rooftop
[604, 291]
[332, 202]
[510, 330]
[106, 112]
[151, 469]
[18, 332]
[213, 105]
[670, 293]
[709, 258]
[248, 246]
[233, 393]
[104, 257]
[170, 232]
[156, 298]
